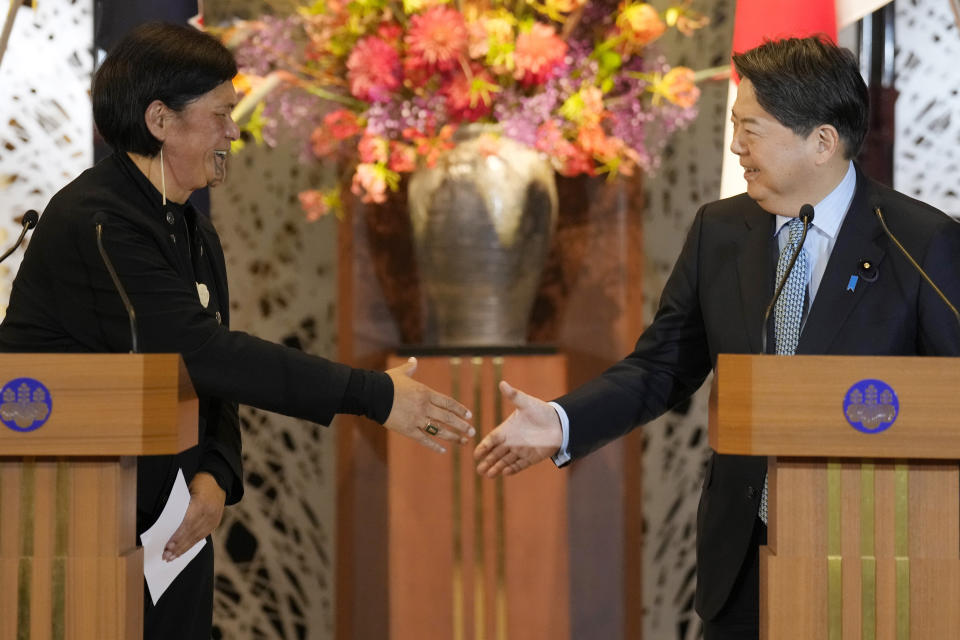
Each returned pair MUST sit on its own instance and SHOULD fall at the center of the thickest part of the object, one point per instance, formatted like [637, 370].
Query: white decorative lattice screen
[46, 125]
[927, 143]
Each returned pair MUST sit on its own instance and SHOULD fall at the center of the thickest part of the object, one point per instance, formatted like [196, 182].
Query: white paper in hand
[160, 574]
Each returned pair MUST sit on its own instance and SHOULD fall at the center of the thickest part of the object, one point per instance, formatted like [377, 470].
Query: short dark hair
[807, 82]
[156, 61]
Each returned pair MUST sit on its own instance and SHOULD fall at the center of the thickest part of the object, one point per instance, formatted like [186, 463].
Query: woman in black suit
[162, 99]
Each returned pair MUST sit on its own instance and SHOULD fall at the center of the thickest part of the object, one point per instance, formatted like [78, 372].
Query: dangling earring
[163, 179]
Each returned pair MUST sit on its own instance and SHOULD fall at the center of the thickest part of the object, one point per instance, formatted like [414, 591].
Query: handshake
[530, 434]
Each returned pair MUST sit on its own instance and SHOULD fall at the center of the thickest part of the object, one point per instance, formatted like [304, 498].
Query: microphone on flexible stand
[99, 219]
[806, 216]
[916, 265]
[29, 222]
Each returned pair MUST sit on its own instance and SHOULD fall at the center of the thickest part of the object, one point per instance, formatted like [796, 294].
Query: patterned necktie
[789, 310]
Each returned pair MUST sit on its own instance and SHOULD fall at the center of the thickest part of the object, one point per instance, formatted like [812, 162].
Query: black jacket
[713, 303]
[63, 300]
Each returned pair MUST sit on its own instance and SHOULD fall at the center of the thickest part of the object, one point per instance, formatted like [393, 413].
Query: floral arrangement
[385, 84]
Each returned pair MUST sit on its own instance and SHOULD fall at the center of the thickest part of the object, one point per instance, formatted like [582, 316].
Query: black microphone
[99, 219]
[806, 216]
[29, 222]
[916, 265]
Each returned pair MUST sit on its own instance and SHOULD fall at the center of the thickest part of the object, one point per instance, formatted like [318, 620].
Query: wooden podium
[472, 558]
[69, 562]
[864, 524]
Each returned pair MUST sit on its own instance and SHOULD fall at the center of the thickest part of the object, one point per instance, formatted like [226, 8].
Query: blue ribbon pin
[853, 283]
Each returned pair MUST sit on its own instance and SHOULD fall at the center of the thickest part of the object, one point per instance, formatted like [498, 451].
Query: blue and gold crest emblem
[26, 404]
[871, 406]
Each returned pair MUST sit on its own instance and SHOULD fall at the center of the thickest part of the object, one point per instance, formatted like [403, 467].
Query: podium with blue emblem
[864, 512]
[72, 426]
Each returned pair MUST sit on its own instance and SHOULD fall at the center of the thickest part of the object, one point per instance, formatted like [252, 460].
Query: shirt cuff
[562, 456]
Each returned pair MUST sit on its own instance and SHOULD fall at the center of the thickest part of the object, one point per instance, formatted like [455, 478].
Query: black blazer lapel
[856, 242]
[755, 271]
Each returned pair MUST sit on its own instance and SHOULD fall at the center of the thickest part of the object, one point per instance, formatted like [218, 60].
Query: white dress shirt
[828, 215]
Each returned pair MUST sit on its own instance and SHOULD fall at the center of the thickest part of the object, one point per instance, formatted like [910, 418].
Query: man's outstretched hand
[532, 433]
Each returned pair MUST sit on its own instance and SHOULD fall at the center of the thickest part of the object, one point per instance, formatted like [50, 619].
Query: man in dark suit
[799, 119]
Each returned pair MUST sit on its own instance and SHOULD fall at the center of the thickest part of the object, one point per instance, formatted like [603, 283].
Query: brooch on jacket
[204, 294]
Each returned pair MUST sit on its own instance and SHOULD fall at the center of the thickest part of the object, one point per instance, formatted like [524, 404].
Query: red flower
[469, 98]
[391, 33]
[577, 161]
[341, 124]
[373, 70]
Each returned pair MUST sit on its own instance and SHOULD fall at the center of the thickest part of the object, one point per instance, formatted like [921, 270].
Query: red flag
[759, 20]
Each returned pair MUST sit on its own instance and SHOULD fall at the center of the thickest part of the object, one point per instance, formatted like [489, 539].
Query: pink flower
[436, 39]
[539, 54]
[549, 137]
[314, 204]
[373, 70]
[369, 183]
[372, 149]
